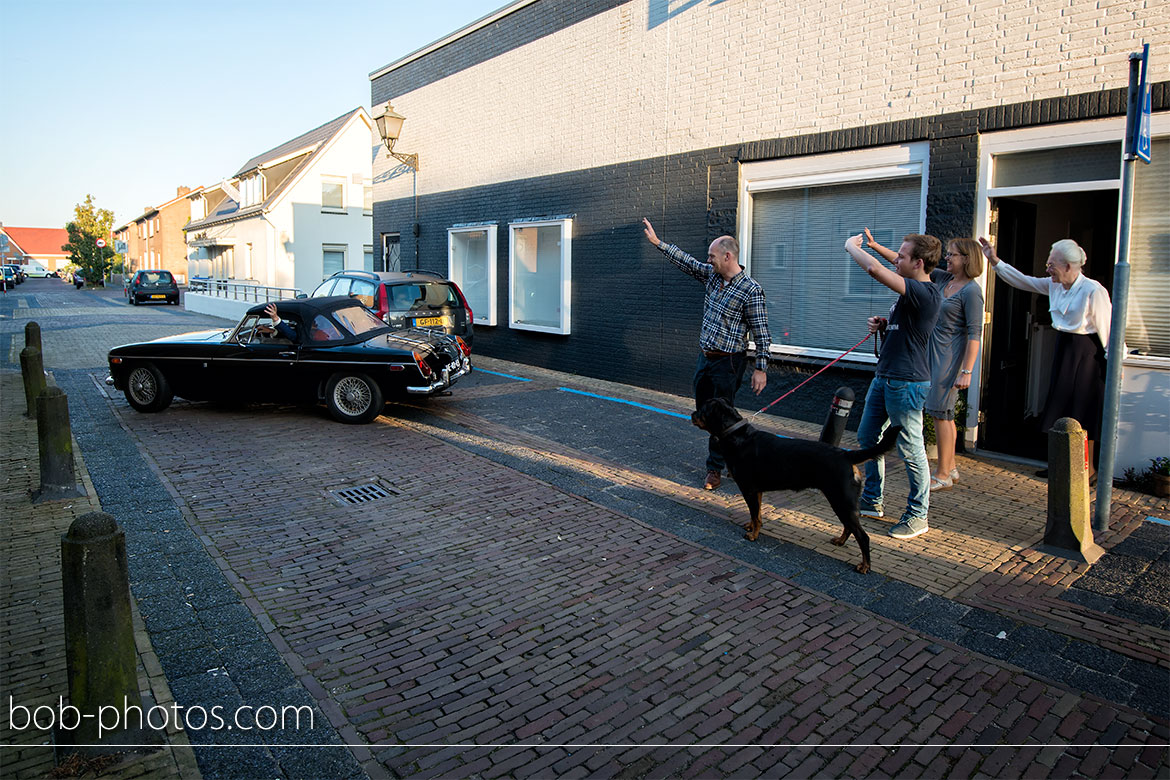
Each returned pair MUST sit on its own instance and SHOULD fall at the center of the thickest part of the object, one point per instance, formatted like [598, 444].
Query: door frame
[1055, 136]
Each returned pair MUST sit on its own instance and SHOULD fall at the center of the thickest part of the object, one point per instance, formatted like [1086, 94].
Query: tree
[90, 224]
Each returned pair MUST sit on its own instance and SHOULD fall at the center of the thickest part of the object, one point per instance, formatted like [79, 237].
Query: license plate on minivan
[157, 296]
[433, 322]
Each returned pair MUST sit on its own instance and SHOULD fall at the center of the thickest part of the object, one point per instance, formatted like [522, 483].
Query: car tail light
[463, 298]
[466, 350]
[383, 304]
[422, 364]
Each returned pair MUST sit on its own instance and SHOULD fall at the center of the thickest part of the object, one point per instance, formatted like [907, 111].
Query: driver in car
[282, 328]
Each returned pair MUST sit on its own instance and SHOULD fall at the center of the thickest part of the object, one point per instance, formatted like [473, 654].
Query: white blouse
[1083, 308]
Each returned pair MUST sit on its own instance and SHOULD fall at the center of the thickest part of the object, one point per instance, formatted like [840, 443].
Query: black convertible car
[338, 352]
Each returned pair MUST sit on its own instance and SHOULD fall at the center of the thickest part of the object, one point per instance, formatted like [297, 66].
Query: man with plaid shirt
[734, 304]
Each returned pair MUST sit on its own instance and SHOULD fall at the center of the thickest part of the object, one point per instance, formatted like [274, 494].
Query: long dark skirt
[1077, 388]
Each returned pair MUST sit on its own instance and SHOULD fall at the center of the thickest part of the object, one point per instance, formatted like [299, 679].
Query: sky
[130, 100]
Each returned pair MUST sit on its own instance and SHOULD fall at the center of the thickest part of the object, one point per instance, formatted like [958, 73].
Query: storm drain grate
[362, 494]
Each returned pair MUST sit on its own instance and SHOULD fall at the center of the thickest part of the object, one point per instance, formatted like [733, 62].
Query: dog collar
[734, 427]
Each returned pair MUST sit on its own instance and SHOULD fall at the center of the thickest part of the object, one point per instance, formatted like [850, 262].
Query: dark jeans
[718, 377]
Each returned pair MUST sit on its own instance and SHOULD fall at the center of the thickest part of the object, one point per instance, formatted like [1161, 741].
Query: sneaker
[713, 480]
[909, 527]
[876, 514]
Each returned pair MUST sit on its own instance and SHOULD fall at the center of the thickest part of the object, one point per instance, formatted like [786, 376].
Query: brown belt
[714, 353]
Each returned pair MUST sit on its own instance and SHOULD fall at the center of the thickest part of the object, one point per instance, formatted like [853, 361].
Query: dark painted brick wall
[635, 318]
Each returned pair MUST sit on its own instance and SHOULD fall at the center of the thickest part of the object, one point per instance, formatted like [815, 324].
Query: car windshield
[427, 296]
[358, 320]
[155, 277]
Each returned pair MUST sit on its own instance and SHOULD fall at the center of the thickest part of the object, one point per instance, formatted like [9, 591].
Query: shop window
[471, 264]
[540, 269]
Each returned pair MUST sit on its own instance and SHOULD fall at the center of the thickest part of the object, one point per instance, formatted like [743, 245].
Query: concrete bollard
[1068, 532]
[32, 369]
[55, 441]
[100, 657]
[838, 416]
[32, 335]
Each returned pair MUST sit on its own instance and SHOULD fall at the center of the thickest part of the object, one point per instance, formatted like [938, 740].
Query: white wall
[299, 261]
[611, 88]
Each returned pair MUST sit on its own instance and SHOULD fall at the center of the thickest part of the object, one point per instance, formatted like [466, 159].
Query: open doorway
[1019, 337]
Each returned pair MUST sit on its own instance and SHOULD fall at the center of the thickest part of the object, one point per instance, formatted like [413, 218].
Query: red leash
[814, 376]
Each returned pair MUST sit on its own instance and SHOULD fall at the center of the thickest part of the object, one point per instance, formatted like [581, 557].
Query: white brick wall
[609, 90]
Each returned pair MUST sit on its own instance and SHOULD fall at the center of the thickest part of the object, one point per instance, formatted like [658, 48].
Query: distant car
[154, 286]
[17, 274]
[32, 270]
[8, 278]
[407, 299]
[340, 353]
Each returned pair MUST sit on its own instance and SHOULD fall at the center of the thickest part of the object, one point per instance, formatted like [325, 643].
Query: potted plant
[1160, 476]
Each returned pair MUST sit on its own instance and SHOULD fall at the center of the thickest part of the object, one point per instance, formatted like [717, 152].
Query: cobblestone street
[544, 590]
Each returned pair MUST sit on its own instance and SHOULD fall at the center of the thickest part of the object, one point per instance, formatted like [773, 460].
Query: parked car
[8, 278]
[341, 354]
[34, 270]
[17, 274]
[407, 299]
[154, 286]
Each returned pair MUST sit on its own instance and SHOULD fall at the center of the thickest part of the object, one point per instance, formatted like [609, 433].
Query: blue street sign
[1141, 142]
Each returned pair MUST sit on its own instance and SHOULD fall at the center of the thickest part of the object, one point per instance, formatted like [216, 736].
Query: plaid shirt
[730, 309]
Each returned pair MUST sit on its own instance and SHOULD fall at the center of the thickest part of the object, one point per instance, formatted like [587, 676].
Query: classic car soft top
[304, 309]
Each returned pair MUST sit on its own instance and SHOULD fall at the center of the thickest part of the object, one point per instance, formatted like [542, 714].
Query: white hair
[1069, 251]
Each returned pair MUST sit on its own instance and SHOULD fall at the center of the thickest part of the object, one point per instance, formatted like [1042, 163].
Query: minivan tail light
[466, 306]
[383, 304]
[422, 364]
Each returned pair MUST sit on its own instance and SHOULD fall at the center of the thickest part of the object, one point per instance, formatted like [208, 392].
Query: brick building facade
[548, 129]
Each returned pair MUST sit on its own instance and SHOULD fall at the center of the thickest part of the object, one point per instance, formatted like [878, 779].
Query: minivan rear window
[421, 297]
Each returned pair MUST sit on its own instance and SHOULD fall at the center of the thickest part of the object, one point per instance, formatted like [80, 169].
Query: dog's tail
[884, 445]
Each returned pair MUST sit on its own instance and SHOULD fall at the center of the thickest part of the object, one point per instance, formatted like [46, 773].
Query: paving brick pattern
[503, 599]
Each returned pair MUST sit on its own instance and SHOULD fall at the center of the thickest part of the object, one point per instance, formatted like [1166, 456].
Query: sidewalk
[32, 641]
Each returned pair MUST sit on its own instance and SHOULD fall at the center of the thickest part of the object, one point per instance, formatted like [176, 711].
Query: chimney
[182, 191]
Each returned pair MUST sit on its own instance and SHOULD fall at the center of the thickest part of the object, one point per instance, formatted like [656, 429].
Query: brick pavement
[32, 643]
[521, 608]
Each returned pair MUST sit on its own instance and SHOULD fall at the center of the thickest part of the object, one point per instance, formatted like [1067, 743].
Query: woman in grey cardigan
[954, 344]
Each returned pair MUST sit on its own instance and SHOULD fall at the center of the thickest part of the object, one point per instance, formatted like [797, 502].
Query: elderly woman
[1081, 313]
[954, 344]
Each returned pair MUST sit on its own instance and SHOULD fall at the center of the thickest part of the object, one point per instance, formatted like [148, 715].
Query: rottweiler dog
[760, 461]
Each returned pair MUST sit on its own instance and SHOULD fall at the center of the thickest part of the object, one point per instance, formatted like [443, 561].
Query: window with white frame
[332, 193]
[367, 197]
[540, 268]
[332, 259]
[799, 212]
[471, 264]
[368, 257]
[251, 191]
[1147, 321]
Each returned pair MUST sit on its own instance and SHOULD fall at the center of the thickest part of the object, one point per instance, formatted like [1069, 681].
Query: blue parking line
[1160, 521]
[497, 373]
[627, 403]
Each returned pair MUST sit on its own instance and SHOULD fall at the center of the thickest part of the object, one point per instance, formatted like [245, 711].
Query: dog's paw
[840, 540]
[862, 568]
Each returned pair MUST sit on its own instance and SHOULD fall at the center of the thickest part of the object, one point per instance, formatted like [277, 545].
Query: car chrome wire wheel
[142, 386]
[352, 396]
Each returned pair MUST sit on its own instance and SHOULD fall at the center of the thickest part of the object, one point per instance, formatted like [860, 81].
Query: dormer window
[251, 190]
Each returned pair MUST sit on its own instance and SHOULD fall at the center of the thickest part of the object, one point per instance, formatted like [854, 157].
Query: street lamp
[390, 127]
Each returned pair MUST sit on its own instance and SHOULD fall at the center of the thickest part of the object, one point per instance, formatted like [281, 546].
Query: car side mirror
[302, 295]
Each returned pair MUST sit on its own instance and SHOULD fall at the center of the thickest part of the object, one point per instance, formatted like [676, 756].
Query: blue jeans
[718, 377]
[896, 402]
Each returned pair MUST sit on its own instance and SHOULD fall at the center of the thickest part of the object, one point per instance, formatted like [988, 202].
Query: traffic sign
[101, 243]
[120, 247]
[1141, 146]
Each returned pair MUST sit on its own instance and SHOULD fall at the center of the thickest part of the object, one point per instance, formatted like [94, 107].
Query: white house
[284, 221]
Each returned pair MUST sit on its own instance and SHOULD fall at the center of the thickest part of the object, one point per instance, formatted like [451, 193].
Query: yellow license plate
[158, 296]
[432, 322]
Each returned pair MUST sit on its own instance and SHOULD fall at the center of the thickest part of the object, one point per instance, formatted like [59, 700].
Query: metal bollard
[100, 657]
[55, 441]
[1068, 532]
[32, 335]
[838, 415]
[32, 369]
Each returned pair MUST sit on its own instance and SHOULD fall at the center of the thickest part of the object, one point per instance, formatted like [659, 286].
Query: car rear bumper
[445, 379]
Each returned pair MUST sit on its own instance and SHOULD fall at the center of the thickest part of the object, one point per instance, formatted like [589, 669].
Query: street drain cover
[361, 494]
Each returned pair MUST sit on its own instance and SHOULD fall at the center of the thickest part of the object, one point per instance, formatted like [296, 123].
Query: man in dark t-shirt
[898, 390]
